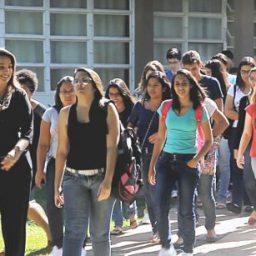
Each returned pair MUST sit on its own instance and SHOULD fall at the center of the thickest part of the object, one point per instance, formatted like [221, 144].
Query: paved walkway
[236, 238]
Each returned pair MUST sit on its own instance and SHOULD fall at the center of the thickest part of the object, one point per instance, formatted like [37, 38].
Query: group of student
[189, 119]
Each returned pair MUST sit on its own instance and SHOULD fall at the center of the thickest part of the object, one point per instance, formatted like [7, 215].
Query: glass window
[68, 25]
[111, 25]
[160, 50]
[68, 52]
[40, 75]
[35, 3]
[166, 27]
[112, 4]
[17, 22]
[106, 74]
[57, 74]
[206, 50]
[205, 6]
[204, 28]
[68, 4]
[111, 52]
[231, 4]
[26, 50]
[167, 6]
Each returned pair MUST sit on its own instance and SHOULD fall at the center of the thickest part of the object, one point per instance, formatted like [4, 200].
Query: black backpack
[127, 180]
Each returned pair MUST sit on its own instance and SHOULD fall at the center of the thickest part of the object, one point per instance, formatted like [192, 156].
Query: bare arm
[229, 108]
[42, 148]
[62, 152]
[158, 146]
[247, 134]
[112, 142]
[219, 103]
[220, 123]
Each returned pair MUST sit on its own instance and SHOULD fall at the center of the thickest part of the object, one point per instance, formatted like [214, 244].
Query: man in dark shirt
[191, 61]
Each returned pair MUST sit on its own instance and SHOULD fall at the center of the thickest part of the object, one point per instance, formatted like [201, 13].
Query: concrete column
[244, 29]
[144, 25]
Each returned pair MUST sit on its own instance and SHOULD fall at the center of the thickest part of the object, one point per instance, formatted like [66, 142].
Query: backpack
[127, 180]
[199, 113]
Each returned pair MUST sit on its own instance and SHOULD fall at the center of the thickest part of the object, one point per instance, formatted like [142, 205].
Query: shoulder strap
[199, 114]
[167, 104]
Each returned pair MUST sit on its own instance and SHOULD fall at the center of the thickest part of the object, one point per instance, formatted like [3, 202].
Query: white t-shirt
[51, 116]
[239, 94]
[210, 105]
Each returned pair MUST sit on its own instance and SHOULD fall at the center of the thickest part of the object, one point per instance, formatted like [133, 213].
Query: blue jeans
[224, 170]
[117, 216]
[54, 214]
[149, 192]
[236, 173]
[80, 195]
[168, 171]
[206, 194]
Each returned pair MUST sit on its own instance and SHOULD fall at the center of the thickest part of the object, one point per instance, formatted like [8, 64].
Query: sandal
[220, 206]
[117, 231]
[252, 218]
[134, 223]
[179, 243]
[155, 239]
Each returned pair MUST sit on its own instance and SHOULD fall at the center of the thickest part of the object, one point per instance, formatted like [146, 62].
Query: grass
[36, 240]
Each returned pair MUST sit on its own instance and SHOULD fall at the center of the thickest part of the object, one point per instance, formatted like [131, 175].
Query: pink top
[251, 110]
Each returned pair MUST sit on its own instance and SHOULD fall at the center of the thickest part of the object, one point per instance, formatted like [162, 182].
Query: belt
[174, 156]
[90, 172]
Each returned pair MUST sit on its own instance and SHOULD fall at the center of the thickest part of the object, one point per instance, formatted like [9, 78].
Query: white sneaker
[56, 251]
[145, 219]
[167, 252]
[83, 252]
[186, 254]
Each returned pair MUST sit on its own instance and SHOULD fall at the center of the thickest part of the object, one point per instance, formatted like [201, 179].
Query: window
[17, 22]
[112, 4]
[205, 6]
[68, 25]
[204, 28]
[54, 37]
[188, 24]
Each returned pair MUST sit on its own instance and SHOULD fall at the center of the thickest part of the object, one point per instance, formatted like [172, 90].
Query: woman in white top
[234, 95]
[46, 152]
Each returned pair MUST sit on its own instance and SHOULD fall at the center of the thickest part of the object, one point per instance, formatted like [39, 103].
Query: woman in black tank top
[88, 138]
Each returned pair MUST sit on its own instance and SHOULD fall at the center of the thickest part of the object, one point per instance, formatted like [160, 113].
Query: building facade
[118, 37]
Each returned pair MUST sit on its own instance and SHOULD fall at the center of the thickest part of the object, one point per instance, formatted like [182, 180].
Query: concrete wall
[144, 25]
[244, 29]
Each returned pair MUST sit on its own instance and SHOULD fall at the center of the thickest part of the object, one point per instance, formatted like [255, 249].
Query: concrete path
[235, 238]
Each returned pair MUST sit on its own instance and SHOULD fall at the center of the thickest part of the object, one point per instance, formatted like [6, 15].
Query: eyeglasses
[173, 62]
[245, 72]
[114, 94]
[67, 92]
[85, 80]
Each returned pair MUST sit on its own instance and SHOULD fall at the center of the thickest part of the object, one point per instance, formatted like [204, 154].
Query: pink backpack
[199, 113]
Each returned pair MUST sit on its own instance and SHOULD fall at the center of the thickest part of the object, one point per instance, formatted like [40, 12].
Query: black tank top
[87, 140]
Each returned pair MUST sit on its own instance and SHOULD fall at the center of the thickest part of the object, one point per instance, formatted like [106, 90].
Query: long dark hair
[163, 80]
[215, 66]
[124, 91]
[5, 53]
[58, 103]
[196, 94]
[153, 65]
[246, 61]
